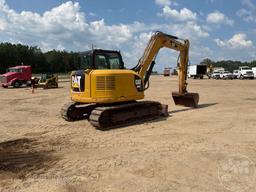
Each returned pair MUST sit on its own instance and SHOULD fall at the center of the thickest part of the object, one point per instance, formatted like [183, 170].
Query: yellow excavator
[107, 94]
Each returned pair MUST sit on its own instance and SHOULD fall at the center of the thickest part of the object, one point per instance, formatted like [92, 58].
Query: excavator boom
[158, 41]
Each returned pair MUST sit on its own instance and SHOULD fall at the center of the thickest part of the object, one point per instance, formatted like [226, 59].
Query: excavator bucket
[186, 99]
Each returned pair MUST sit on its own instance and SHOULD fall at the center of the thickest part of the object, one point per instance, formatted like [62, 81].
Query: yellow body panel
[108, 86]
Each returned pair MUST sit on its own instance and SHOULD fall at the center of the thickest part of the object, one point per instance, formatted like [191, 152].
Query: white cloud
[183, 15]
[64, 26]
[115, 34]
[246, 15]
[220, 43]
[92, 14]
[189, 30]
[2, 25]
[163, 2]
[219, 18]
[237, 41]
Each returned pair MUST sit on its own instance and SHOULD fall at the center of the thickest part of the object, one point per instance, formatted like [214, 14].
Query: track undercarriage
[107, 116]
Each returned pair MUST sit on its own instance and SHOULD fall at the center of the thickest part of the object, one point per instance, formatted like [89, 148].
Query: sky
[217, 29]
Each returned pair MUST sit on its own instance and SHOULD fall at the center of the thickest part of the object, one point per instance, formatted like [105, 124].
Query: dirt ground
[39, 151]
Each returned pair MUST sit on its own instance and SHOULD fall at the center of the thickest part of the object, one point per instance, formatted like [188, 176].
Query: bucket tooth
[186, 99]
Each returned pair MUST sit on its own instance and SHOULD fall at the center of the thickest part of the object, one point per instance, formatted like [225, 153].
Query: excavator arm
[144, 68]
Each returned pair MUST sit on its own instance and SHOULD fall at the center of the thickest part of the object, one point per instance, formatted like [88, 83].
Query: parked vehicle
[235, 74]
[16, 77]
[254, 71]
[245, 72]
[215, 75]
[226, 75]
[197, 71]
[167, 71]
[46, 81]
[218, 69]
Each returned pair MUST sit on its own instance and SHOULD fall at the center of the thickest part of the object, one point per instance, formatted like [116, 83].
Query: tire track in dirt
[21, 158]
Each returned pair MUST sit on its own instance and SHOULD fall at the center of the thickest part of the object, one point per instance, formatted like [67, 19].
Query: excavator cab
[101, 59]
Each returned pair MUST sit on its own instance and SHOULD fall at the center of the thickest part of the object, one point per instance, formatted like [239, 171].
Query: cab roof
[21, 67]
[90, 52]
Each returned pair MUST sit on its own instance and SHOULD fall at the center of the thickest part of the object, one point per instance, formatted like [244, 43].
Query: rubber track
[64, 111]
[73, 111]
[104, 118]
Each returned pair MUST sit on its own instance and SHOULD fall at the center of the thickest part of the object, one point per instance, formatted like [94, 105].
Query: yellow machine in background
[107, 93]
[46, 81]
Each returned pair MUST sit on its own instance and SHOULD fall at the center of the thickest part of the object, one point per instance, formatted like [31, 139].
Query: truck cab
[16, 76]
[216, 75]
[254, 71]
[245, 72]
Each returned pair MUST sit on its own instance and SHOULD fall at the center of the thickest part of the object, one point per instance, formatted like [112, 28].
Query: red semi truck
[16, 76]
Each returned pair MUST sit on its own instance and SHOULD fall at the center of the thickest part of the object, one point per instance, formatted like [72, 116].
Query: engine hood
[245, 71]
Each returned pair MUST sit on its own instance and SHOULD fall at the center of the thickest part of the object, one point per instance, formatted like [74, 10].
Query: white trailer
[197, 71]
[254, 71]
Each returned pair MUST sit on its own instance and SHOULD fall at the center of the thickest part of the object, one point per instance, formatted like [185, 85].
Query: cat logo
[138, 83]
[76, 81]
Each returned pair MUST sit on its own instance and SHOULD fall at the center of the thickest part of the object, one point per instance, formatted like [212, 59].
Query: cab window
[17, 70]
[114, 63]
[86, 62]
[108, 61]
[101, 62]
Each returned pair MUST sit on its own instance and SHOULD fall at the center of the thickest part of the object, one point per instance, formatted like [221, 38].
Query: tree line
[51, 61]
[62, 61]
[228, 65]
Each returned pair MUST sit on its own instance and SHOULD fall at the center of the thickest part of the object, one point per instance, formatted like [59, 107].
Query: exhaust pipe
[186, 99]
